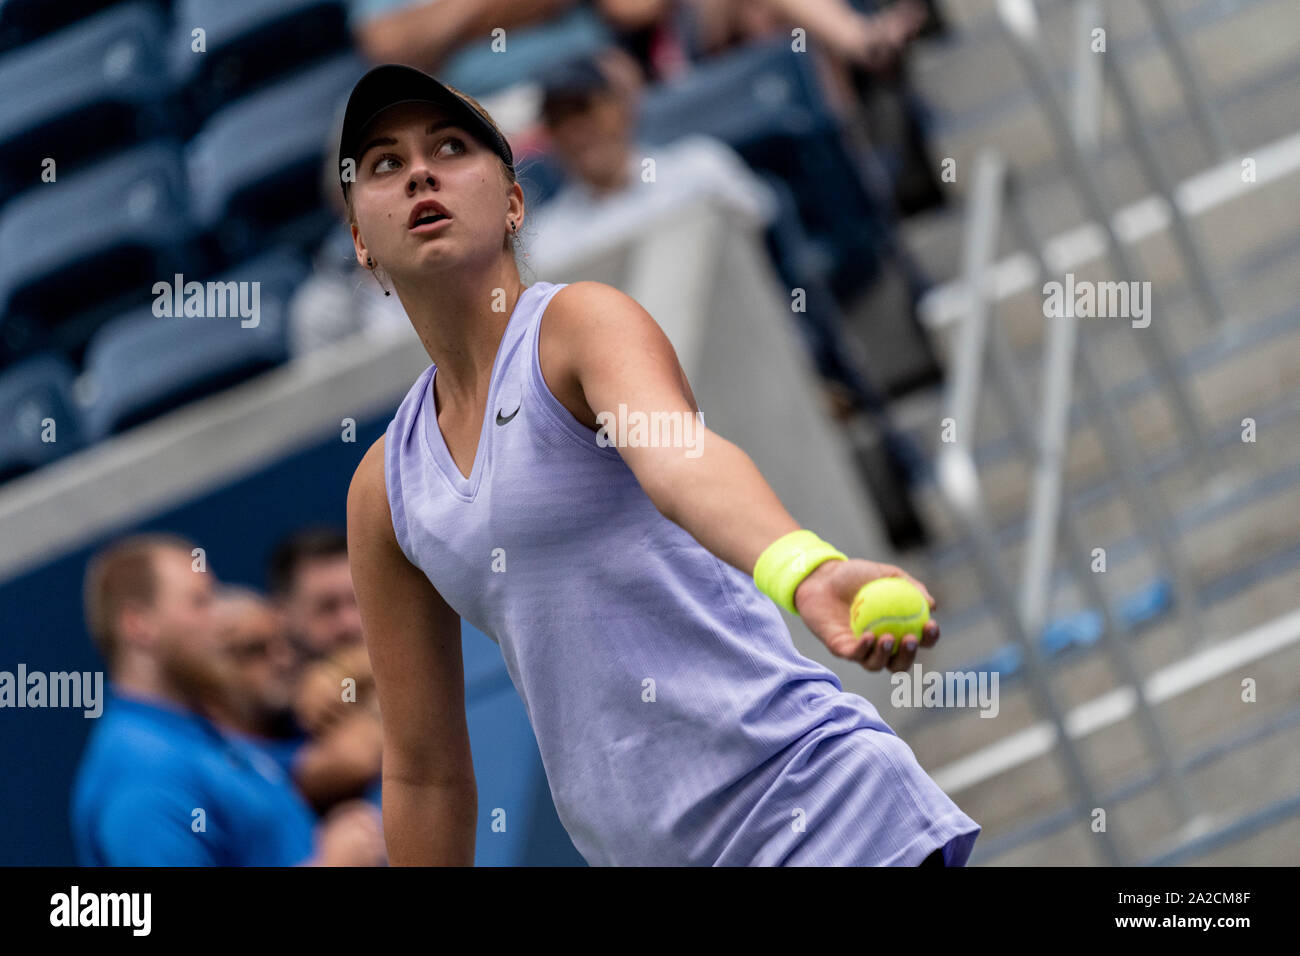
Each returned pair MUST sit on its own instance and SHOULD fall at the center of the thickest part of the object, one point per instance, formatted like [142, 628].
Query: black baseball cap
[392, 83]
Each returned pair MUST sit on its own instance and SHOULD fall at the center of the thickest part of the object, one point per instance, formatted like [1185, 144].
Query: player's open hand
[823, 599]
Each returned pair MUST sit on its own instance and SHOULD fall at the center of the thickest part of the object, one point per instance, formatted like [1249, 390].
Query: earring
[370, 264]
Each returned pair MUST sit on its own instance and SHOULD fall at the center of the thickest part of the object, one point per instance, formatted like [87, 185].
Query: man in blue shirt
[159, 783]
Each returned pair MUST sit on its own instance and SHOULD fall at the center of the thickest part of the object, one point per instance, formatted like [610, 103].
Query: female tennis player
[676, 721]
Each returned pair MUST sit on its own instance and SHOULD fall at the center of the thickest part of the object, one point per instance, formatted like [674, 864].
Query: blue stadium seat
[249, 43]
[257, 167]
[480, 70]
[766, 102]
[142, 365]
[90, 89]
[22, 21]
[32, 393]
[761, 92]
[77, 251]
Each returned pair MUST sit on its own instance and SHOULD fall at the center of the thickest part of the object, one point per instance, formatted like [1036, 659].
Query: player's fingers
[863, 647]
[905, 655]
[879, 655]
[930, 633]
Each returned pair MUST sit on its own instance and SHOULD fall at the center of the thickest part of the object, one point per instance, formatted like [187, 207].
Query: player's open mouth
[428, 223]
[426, 215]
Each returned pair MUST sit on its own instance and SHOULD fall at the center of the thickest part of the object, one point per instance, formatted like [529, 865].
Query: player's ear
[358, 243]
[515, 206]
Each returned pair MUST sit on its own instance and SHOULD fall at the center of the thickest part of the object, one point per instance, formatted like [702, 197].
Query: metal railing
[959, 483]
[1053, 519]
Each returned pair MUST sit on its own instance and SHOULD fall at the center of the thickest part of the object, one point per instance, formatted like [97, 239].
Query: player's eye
[453, 139]
[387, 157]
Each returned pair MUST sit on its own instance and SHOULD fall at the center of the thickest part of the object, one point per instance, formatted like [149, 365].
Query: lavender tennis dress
[677, 723]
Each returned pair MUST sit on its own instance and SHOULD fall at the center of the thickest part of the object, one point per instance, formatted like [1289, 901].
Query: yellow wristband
[787, 561]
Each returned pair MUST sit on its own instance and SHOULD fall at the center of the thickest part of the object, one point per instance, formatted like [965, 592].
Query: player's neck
[461, 324]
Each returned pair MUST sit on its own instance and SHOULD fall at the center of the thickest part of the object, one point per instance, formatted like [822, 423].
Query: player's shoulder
[373, 459]
[587, 293]
[589, 309]
[368, 490]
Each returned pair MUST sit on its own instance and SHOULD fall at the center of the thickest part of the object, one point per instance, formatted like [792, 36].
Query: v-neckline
[467, 485]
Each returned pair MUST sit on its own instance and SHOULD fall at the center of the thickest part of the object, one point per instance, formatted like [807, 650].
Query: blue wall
[42, 626]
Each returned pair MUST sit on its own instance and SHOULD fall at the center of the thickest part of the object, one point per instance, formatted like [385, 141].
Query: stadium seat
[248, 44]
[256, 168]
[766, 102]
[75, 252]
[22, 21]
[763, 91]
[480, 70]
[31, 393]
[93, 88]
[142, 365]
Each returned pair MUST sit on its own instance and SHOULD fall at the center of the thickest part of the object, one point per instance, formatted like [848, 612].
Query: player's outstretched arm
[430, 801]
[603, 351]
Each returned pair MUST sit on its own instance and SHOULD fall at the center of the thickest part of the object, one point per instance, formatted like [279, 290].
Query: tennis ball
[889, 606]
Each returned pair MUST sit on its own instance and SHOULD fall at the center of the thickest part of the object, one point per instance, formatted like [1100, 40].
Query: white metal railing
[1053, 522]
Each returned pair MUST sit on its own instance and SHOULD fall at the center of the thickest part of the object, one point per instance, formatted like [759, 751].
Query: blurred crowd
[242, 728]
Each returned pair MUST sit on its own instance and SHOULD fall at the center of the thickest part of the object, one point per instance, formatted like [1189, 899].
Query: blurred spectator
[655, 33]
[319, 701]
[894, 120]
[605, 199]
[336, 703]
[591, 120]
[883, 126]
[311, 584]
[451, 38]
[259, 700]
[872, 41]
[860, 50]
[160, 784]
[270, 704]
[424, 33]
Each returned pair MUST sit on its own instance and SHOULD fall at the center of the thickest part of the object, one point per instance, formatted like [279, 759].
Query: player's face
[414, 153]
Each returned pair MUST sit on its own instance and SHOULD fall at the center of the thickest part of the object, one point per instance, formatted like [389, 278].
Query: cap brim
[392, 84]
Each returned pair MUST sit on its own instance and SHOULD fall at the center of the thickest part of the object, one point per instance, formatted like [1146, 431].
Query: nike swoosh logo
[504, 419]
